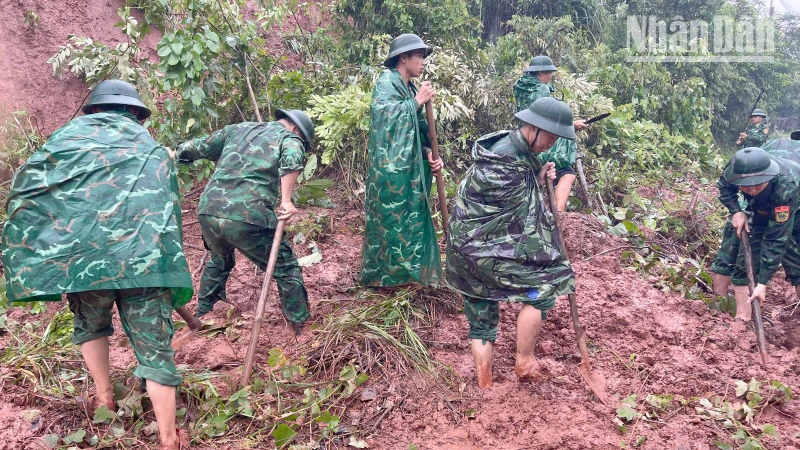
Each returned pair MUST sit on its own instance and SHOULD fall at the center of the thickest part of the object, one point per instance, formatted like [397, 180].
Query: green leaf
[771, 430]
[102, 414]
[176, 47]
[283, 435]
[51, 440]
[189, 124]
[723, 446]
[75, 437]
[164, 50]
[627, 413]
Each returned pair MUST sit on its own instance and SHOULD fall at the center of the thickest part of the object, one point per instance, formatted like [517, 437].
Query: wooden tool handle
[435, 151]
[756, 304]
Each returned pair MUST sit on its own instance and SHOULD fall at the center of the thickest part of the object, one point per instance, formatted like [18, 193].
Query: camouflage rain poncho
[783, 148]
[399, 239]
[527, 90]
[95, 208]
[501, 241]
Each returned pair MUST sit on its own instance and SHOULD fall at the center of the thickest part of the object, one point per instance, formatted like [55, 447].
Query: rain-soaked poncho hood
[501, 241]
[95, 208]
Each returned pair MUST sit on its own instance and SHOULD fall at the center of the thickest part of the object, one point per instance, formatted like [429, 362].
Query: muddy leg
[743, 309]
[482, 353]
[529, 325]
[563, 189]
[720, 283]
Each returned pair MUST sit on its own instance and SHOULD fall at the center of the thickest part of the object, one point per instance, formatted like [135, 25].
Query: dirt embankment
[26, 79]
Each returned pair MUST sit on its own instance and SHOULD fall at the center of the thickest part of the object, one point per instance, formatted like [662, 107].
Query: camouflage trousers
[484, 315]
[725, 262]
[146, 316]
[222, 237]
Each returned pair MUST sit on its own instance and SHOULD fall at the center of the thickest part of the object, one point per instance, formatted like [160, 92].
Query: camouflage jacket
[399, 238]
[251, 159]
[95, 208]
[527, 90]
[774, 209]
[756, 135]
[784, 148]
[501, 244]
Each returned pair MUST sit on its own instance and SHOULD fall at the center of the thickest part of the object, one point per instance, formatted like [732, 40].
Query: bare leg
[720, 283]
[743, 309]
[482, 353]
[797, 290]
[95, 353]
[563, 189]
[163, 398]
[529, 325]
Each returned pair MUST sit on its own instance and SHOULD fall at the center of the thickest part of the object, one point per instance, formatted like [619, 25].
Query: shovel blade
[595, 380]
[183, 338]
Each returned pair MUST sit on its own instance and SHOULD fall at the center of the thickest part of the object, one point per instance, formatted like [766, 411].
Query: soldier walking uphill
[236, 210]
[771, 187]
[531, 86]
[725, 262]
[95, 214]
[501, 245]
[399, 238]
[756, 132]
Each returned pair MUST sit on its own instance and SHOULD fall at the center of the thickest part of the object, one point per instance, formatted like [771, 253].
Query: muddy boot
[482, 353]
[743, 309]
[720, 283]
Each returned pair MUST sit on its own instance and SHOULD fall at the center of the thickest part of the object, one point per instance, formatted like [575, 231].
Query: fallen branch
[615, 249]
[191, 223]
[201, 264]
[386, 412]
[194, 247]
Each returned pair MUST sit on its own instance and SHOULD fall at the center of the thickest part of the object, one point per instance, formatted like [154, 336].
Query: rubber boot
[743, 309]
[720, 283]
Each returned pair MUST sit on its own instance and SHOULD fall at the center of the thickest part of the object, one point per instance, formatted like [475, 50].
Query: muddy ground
[643, 340]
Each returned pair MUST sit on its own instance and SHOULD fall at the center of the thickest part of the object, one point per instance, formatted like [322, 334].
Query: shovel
[262, 304]
[595, 379]
[193, 325]
[751, 284]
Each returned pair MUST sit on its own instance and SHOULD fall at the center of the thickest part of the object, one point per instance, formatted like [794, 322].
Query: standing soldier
[725, 262]
[771, 187]
[237, 207]
[95, 214]
[501, 242]
[531, 86]
[399, 238]
[756, 133]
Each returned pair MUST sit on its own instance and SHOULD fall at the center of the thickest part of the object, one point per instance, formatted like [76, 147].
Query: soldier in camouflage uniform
[501, 242]
[725, 262]
[236, 209]
[771, 188]
[399, 238]
[531, 86]
[95, 214]
[756, 132]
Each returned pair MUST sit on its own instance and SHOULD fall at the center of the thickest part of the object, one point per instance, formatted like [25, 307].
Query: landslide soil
[643, 340]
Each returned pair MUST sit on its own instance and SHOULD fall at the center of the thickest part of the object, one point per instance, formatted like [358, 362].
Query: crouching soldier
[771, 188]
[95, 214]
[501, 242]
[237, 207]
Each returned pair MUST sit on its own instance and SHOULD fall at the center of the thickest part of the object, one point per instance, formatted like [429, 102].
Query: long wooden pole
[262, 304]
[595, 380]
[751, 285]
[439, 179]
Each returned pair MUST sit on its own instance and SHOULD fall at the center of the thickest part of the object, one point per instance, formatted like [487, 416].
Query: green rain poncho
[399, 238]
[501, 244]
[527, 90]
[95, 208]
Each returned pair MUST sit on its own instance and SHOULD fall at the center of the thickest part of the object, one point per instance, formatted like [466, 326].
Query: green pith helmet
[750, 166]
[402, 44]
[758, 112]
[300, 119]
[116, 92]
[541, 63]
[550, 115]
[795, 136]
